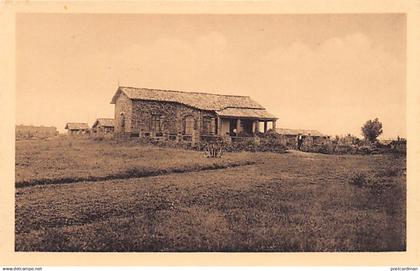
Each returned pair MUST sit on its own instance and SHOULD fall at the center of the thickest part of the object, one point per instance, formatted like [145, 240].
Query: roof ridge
[183, 91]
[242, 107]
[296, 129]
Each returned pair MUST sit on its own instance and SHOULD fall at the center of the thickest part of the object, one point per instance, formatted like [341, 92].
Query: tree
[372, 129]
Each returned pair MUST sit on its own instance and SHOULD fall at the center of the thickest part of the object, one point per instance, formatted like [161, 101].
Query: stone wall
[170, 115]
[123, 105]
[78, 132]
[98, 130]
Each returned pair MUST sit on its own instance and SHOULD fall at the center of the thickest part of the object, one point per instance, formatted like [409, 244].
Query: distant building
[30, 131]
[77, 128]
[103, 126]
[296, 137]
[186, 116]
[295, 132]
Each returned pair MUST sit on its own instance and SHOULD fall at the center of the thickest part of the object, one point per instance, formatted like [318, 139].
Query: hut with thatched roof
[103, 126]
[186, 116]
[74, 128]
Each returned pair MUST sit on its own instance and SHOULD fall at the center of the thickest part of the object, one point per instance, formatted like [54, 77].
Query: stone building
[31, 131]
[103, 126]
[186, 116]
[77, 128]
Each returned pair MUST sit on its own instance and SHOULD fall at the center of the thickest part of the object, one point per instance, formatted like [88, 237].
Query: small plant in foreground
[359, 179]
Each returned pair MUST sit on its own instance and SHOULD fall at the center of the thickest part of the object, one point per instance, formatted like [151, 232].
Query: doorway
[232, 126]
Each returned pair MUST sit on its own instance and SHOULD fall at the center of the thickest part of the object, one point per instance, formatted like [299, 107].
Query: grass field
[65, 160]
[248, 202]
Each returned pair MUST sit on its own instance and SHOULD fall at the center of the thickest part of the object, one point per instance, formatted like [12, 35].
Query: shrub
[376, 183]
[345, 149]
[359, 179]
[98, 138]
[213, 150]
[244, 134]
[265, 144]
[390, 172]
[352, 145]
[270, 141]
[247, 144]
[269, 134]
[323, 148]
[365, 149]
[272, 144]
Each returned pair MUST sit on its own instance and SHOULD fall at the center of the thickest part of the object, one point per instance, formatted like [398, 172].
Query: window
[207, 126]
[156, 124]
[122, 120]
[188, 125]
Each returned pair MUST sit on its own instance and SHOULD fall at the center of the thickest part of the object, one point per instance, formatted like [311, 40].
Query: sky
[326, 72]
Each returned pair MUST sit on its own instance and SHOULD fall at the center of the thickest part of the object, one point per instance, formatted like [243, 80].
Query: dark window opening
[156, 125]
[207, 126]
[188, 125]
[122, 120]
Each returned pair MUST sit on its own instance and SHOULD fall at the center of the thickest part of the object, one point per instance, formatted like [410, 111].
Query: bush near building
[268, 142]
[352, 145]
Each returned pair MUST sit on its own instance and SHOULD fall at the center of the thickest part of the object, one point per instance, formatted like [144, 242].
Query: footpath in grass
[134, 173]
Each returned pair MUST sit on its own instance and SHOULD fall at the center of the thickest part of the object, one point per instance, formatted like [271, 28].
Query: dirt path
[132, 173]
[302, 153]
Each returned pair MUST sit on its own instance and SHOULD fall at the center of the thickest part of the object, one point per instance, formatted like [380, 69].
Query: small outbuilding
[31, 131]
[296, 137]
[74, 128]
[295, 132]
[103, 126]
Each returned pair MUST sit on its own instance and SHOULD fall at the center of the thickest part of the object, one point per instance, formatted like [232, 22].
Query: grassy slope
[43, 161]
[289, 202]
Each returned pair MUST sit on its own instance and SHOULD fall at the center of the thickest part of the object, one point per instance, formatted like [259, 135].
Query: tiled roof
[245, 113]
[105, 122]
[76, 126]
[203, 101]
[285, 131]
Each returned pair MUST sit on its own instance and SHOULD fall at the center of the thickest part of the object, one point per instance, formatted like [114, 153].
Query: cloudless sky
[324, 72]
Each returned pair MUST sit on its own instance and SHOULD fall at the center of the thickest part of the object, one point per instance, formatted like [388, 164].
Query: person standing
[300, 141]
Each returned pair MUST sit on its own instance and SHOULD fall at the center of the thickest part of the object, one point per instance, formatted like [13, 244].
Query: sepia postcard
[210, 133]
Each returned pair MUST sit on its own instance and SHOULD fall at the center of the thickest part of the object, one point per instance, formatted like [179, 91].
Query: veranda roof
[260, 114]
